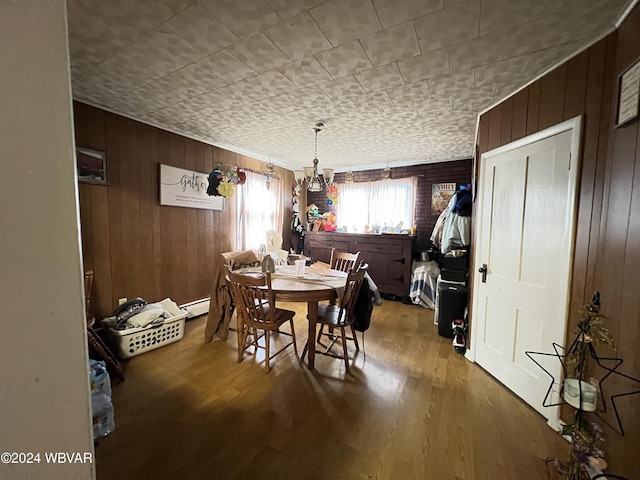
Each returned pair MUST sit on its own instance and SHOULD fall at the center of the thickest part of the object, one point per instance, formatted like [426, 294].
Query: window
[259, 208]
[381, 203]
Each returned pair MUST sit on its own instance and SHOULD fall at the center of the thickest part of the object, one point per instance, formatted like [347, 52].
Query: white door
[525, 239]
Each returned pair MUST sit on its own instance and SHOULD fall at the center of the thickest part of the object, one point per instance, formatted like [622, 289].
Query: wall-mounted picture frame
[186, 188]
[91, 166]
[441, 193]
[628, 107]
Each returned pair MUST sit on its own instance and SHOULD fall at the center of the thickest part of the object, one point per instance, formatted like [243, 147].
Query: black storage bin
[459, 276]
[455, 263]
[451, 302]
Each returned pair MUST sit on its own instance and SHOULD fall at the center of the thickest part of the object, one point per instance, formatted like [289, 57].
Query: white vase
[580, 394]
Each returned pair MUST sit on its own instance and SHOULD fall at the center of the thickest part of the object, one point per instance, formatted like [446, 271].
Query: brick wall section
[458, 171]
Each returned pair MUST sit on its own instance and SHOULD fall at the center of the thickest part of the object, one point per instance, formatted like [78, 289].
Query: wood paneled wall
[135, 246]
[607, 252]
[582, 86]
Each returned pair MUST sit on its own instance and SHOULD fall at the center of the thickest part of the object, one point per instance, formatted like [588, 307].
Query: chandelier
[310, 174]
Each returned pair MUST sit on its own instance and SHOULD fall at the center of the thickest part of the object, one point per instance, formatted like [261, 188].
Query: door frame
[575, 126]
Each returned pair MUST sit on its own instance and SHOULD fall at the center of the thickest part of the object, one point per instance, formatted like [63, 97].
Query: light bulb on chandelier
[348, 178]
[299, 177]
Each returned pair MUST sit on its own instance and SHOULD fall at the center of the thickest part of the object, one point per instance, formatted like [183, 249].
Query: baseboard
[470, 355]
[197, 307]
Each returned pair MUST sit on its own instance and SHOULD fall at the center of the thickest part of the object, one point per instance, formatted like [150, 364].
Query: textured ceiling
[395, 81]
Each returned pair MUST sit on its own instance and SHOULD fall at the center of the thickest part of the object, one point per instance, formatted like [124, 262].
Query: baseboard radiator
[197, 307]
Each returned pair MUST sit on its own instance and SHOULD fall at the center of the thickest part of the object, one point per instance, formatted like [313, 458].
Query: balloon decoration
[332, 194]
[330, 224]
[222, 181]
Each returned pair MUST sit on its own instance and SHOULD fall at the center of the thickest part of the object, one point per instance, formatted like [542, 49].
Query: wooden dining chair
[343, 261]
[235, 261]
[255, 306]
[340, 317]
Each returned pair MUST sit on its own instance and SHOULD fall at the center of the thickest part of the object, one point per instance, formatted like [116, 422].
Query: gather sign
[186, 188]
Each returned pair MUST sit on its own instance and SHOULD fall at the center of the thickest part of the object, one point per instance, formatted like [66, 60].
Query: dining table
[315, 284]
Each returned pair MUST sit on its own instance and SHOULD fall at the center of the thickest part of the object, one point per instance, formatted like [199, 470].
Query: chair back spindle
[350, 296]
[343, 261]
[253, 294]
[88, 287]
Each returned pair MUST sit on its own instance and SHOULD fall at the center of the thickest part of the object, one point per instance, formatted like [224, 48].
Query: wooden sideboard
[389, 255]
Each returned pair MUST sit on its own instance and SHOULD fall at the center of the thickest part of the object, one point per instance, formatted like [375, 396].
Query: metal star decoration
[590, 332]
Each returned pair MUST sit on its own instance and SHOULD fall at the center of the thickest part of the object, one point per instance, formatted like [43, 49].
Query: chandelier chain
[317, 129]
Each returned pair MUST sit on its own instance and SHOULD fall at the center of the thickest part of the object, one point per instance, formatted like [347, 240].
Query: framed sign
[628, 94]
[91, 166]
[440, 195]
[185, 188]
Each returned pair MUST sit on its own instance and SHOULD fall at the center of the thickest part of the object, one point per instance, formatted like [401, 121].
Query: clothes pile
[137, 313]
[453, 227]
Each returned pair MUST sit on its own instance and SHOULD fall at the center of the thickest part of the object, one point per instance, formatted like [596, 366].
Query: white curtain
[381, 203]
[259, 208]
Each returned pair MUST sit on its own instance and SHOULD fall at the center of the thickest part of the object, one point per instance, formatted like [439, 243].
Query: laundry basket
[135, 341]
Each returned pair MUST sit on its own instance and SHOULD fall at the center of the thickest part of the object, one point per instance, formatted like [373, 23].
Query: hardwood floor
[412, 409]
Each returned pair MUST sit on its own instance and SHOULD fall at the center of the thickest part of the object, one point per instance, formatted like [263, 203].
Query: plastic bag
[128, 309]
[101, 406]
[99, 379]
[102, 415]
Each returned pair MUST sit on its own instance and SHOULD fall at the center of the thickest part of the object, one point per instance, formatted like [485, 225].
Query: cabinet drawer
[379, 247]
[319, 249]
[341, 246]
[384, 264]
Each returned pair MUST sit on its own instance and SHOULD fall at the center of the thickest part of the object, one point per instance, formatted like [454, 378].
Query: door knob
[483, 271]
